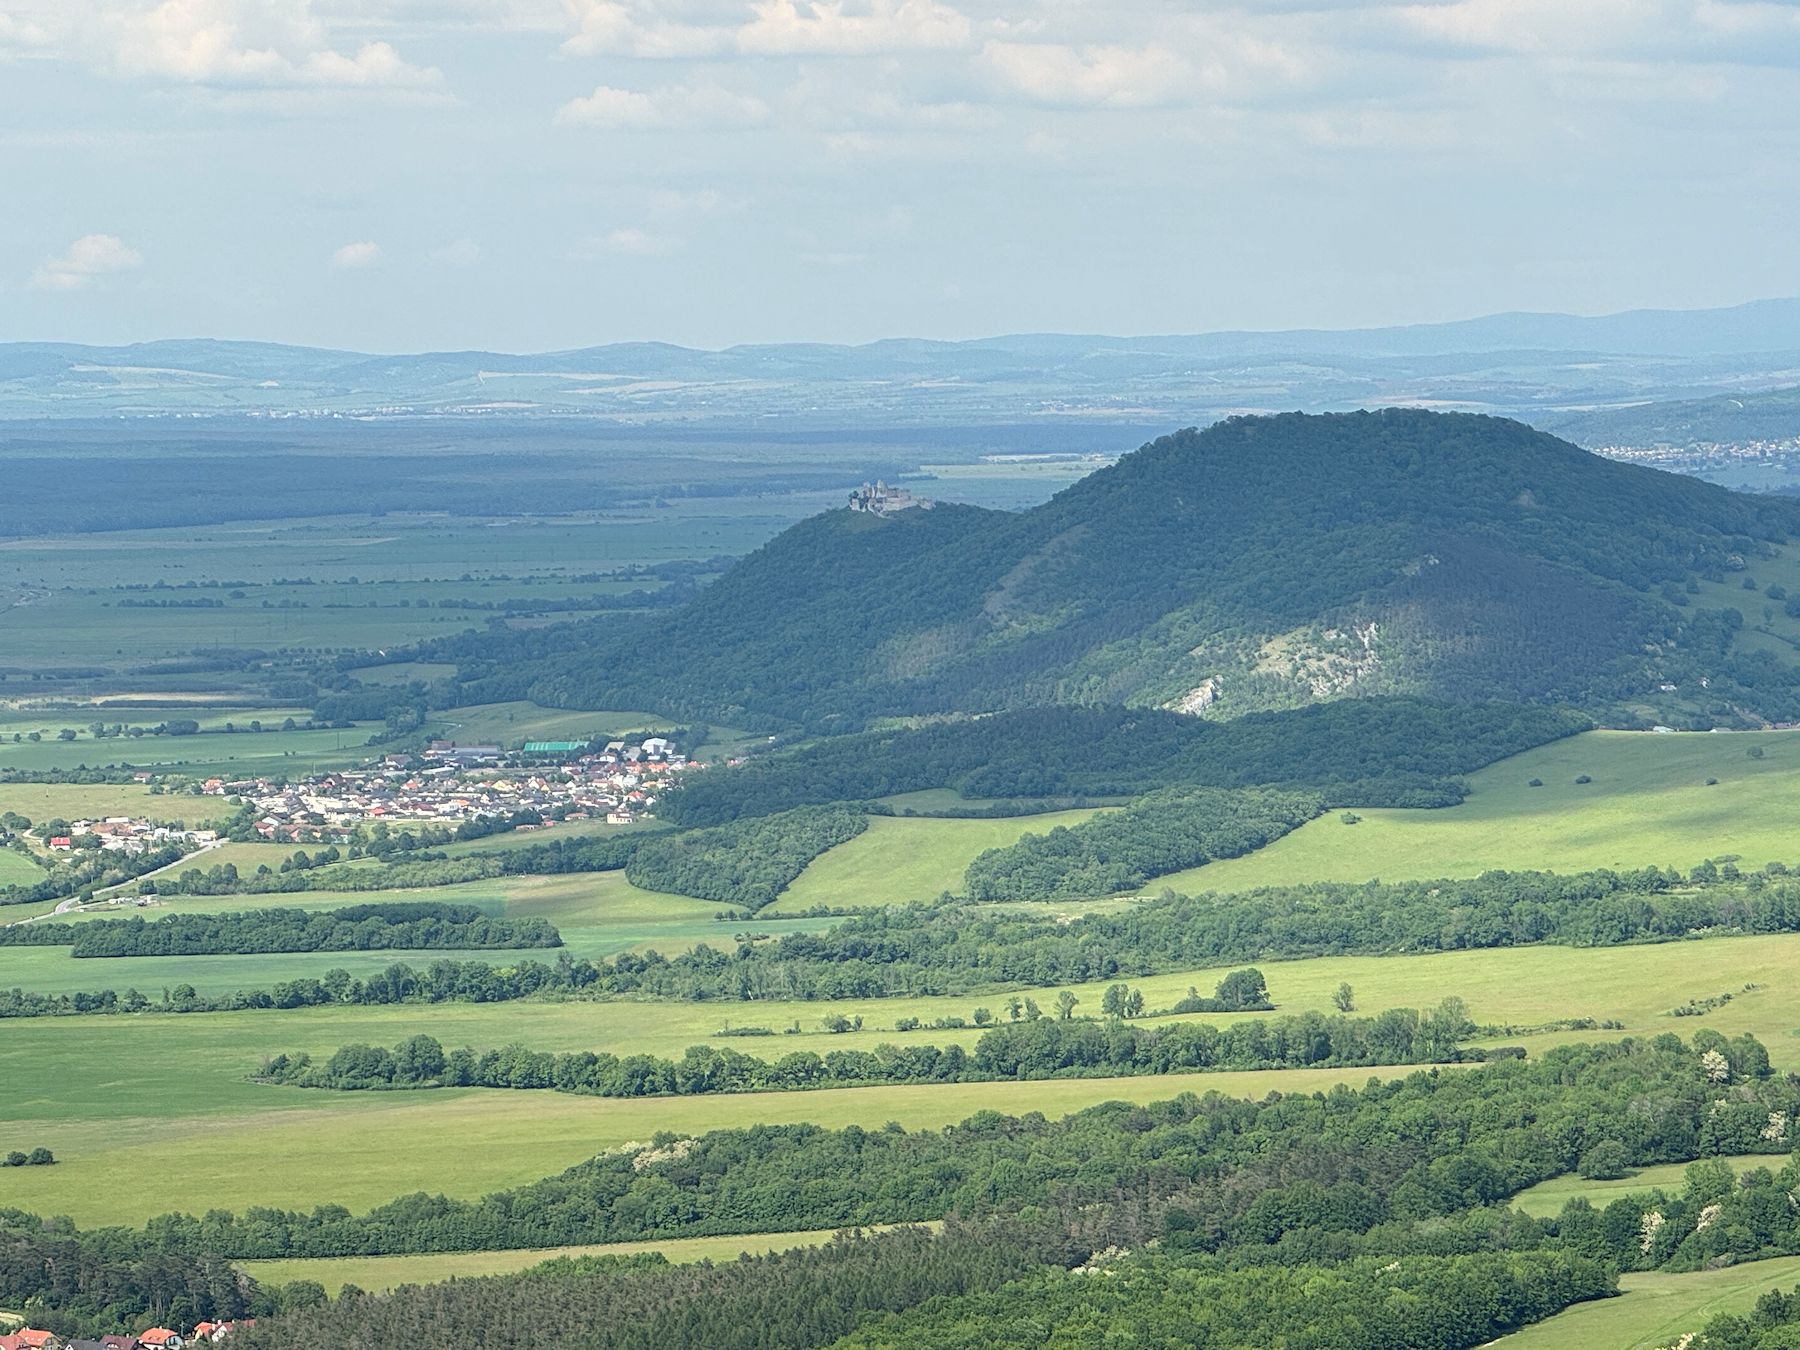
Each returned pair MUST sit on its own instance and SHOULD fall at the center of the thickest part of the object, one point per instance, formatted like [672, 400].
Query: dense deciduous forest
[747, 863]
[976, 1288]
[1159, 833]
[1362, 752]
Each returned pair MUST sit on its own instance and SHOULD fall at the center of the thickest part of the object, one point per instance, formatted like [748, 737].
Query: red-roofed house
[30, 1338]
[160, 1338]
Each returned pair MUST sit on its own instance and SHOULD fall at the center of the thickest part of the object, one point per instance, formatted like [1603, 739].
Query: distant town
[446, 784]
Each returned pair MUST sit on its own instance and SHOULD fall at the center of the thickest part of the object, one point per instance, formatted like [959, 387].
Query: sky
[397, 175]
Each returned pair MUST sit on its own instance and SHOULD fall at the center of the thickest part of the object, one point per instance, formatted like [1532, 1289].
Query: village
[446, 785]
[156, 1338]
[450, 784]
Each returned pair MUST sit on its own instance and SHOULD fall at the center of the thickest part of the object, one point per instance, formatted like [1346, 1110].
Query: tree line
[1160, 833]
[956, 949]
[1204, 1173]
[397, 925]
[1045, 1048]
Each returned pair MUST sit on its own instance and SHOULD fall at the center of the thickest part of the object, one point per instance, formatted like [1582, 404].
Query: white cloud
[20, 33]
[826, 27]
[233, 44]
[87, 260]
[458, 253]
[660, 28]
[640, 28]
[1684, 30]
[629, 240]
[362, 253]
[1101, 76]
[704, 105]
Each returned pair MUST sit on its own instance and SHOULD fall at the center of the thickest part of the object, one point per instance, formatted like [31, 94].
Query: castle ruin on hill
[878, 499]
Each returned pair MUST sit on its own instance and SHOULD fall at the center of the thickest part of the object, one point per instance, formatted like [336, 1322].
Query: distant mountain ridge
[1505, 362]
[1262, 563]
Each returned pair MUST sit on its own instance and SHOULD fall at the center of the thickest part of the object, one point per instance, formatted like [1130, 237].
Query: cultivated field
[1648, 803]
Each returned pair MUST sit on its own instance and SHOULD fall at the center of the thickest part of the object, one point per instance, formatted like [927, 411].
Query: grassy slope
[17, 870]
[1648, 803]
[512, 724]
[378, 1274]
[897, 860]
[1657, 1309]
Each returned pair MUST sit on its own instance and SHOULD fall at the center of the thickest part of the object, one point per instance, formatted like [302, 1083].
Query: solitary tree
[1345, 998]
[1065, 1005]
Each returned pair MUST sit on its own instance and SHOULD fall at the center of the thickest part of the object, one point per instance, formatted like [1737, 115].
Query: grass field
[598, 915]
[76, 801]
[244, 752]
[201, 1139]
[154, 1112]
[899, 859]
[1547, 1198]
[1648, 803]
[379, 1274]
[1656, 1309]
[16, 869]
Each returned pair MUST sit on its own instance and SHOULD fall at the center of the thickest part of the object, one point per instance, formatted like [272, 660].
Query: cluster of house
[450, 784]
[156, 1338]
[129, 835]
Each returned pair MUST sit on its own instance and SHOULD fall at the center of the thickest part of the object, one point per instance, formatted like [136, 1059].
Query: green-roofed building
[554, 747]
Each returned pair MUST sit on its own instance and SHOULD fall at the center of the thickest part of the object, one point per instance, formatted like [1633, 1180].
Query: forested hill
[1264, 562]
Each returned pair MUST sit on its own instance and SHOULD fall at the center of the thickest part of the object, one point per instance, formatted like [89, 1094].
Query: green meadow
[206, 752]
[598, 915]
[147, 1143]
[1648, 803]
[77, 801]
[1655, 1310]
[900, 859]
[17, 870]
